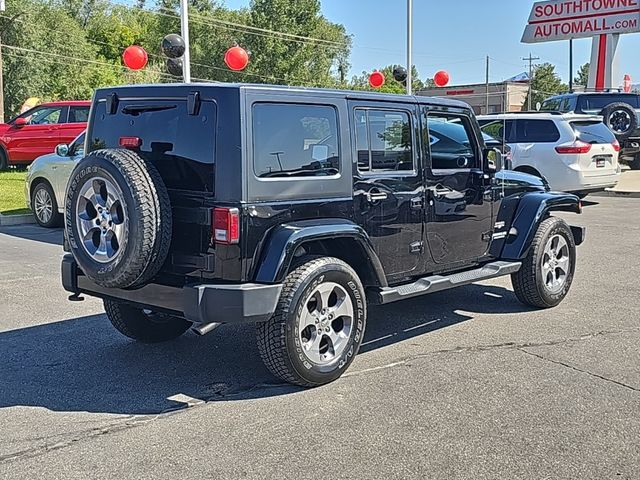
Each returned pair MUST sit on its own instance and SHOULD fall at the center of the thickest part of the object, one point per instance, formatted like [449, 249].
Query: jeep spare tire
[117, 218]
[621, 118]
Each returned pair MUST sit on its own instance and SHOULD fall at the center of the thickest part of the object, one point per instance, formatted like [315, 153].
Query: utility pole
[184, 30]
[487, 85]
[571, 65]
[1, 73]
[409, 45]
[530, 59]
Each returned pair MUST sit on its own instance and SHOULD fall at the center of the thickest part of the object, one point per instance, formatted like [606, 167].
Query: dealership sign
[564, 19]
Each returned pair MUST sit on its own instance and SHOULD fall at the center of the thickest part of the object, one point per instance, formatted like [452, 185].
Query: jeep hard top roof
[182, 89]
[543, 115]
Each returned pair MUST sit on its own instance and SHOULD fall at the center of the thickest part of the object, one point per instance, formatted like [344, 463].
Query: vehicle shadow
[83, 364]
[52, 236]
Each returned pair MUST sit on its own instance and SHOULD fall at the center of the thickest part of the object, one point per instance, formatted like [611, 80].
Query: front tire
[4, 162]
[547, 272]
[45, 207]
[144, 326]
[318, 325]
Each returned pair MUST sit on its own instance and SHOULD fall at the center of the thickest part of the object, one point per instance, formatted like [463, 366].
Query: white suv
[574, 153]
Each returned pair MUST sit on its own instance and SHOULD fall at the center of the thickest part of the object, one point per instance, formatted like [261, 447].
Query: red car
[38, 130]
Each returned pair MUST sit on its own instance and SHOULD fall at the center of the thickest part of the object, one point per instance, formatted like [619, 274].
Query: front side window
[44, 116]
[455, 148]
[384, 141]
[295, 140]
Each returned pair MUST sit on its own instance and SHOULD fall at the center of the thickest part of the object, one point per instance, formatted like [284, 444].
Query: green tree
[545, 83]
[583, 75]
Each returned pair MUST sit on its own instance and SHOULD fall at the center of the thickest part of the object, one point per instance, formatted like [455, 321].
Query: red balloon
[236, 58]
[135, 57]
[441, 78]
[376, 79]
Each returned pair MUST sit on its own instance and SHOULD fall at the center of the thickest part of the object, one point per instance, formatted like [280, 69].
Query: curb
[616, 193]
[9, 220]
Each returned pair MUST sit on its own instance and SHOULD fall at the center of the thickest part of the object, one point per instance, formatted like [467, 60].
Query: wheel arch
[532, 210]
[337, 238]
[528, 169]
[34, 182]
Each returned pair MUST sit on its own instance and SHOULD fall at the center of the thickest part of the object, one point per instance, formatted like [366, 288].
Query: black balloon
[173, 45]
[174, 66]
[400, 73]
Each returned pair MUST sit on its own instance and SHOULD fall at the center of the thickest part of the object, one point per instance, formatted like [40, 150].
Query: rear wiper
[138, 109]
[302, 172]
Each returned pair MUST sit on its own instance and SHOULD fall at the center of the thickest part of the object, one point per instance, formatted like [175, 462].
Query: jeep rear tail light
[575, 147]
[616, 145]
[130, 142]
[226, 225]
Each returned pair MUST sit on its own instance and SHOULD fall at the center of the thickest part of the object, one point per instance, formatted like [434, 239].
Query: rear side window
[295, 140]
[78, 114]
[535, 131]
[595, 103]
[383, 141]
[593, 132]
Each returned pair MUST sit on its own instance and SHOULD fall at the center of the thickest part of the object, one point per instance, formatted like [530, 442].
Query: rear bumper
[200, 303]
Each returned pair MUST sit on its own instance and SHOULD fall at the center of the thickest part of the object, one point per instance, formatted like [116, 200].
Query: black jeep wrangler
[619, 111]
[295, 209]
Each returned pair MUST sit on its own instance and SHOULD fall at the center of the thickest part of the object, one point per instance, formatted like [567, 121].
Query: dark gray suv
[620, 113]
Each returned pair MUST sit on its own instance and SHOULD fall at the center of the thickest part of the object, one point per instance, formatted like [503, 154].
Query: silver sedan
[47, 181]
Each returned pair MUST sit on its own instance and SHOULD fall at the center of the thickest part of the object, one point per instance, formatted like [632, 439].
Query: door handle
[440, 191]
[373, 197]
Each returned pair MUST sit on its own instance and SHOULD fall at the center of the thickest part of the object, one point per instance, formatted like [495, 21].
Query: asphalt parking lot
[460, 384]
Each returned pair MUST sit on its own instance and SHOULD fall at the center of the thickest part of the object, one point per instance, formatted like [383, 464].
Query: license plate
[600, 162]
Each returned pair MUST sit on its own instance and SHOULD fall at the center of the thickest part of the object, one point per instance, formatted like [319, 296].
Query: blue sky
[456, 36]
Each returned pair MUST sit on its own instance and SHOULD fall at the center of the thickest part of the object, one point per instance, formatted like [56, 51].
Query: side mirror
[62, 150]
[493, 161]
[20, 122]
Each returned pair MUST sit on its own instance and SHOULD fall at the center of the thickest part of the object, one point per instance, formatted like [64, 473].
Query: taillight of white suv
[577, 147]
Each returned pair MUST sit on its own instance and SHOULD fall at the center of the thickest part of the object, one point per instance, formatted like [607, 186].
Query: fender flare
[279, 249]
[532, 209]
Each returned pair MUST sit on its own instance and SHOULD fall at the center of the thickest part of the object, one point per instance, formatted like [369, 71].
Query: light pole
[184, 29]
[409, 44]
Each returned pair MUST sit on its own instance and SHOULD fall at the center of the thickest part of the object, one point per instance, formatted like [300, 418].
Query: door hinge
[416, 247]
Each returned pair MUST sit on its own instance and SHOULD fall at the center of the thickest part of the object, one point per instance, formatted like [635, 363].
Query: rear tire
[145, 327]
[547, 272]
[318, 325]
[44, 206]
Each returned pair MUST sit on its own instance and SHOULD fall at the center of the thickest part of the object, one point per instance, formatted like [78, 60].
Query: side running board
[435, 283]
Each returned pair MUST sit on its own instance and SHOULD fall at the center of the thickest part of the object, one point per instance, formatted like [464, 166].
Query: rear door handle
[440, 191]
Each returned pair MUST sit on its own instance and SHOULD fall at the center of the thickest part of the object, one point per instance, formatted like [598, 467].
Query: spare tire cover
[117, 218]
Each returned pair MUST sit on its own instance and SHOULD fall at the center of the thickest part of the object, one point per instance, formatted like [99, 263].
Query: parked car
[574, 153]
[37, 131]
[619, 111]
[291, 208]
[47, 180]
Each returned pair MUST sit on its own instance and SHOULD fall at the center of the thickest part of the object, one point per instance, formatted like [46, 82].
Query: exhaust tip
[202, 329]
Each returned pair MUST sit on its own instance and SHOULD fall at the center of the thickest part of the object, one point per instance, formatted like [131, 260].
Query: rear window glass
[593, 132]
[181, 146]
[295, 140]
[536, 131]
